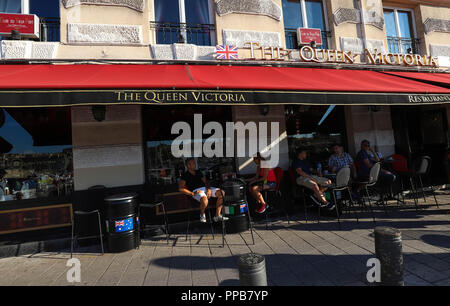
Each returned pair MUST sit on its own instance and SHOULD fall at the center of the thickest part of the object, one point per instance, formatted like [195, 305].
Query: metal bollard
[388, 249]
[252, 270]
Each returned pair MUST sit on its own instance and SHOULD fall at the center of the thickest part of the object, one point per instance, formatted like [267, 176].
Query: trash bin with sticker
[122, 222]
[235, 206]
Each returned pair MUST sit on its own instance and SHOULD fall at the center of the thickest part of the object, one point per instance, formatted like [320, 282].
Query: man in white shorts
[194, 184]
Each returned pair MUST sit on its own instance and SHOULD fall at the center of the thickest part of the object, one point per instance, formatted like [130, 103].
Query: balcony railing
[197, 34]
[292, 42]
[49, 29]
[403, 45]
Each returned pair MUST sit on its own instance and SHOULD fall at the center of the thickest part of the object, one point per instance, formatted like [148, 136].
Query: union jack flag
[226, 52]
[120, 223]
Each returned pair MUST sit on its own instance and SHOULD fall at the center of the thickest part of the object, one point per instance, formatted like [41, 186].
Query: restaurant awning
[90, 84]
[440, 79]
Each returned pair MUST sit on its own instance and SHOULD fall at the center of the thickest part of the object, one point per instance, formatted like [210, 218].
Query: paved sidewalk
[296, 254]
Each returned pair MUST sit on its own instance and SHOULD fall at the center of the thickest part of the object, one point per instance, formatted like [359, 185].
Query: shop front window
[35, 153]
[303, 14]
[305, 132]
[162, 168]
[183, 21]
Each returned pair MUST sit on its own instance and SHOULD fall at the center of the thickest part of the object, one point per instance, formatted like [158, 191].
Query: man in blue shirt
[340, 159]
[307, 179]
[366, 158]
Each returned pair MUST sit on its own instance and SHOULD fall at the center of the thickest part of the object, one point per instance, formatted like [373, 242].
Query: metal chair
[193, 204]
[342, 182]
[86, 213]
[155, 206]
[424, 170]
[372, 180]
[276, 193]
[302, 190]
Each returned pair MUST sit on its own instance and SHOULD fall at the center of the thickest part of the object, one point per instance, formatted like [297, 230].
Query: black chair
[273, 195]
[155, 206]
[342, 184]
[420, 167]
[194, 205]
[75, 237]
[369, 184]
[301, 192]
[423, 169]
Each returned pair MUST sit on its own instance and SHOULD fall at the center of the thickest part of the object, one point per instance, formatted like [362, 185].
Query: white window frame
[182, 12]
[397, 23]
[24, 7]
[304, 16]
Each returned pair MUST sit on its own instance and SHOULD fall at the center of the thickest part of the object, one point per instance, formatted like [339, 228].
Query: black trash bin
[122, 222]
[235, 206]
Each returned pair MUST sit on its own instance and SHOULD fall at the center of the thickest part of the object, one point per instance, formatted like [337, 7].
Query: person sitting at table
[307, 179]
[264, 179]
[366, 158]
[2, 185]
[340, 159]
[192, 183]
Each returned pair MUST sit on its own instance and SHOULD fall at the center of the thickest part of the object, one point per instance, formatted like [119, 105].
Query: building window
[12, 6]
[35, 153]
[400, 31]
[315, 129]
[48, 13]
[184, 21]
[303, 14]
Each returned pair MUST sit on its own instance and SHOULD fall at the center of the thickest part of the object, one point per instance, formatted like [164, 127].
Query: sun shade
[63, 85]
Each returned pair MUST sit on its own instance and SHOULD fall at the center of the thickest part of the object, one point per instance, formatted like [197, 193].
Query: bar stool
[86, 213]
[156, 205]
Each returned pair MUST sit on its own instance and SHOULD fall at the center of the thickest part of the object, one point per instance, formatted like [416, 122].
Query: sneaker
[317, 202]
[330, 206]
[202, 218]
[220, 218]
[261, 208]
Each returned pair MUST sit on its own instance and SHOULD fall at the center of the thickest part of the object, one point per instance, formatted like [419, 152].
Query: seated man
[194, 184]
[366, 158]
[340, 159]
[307, 179]
[3, 185]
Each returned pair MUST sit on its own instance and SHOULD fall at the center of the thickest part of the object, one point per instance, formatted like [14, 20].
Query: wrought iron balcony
[197, 34]
[292, 42]
[49, 29]
[403, 45]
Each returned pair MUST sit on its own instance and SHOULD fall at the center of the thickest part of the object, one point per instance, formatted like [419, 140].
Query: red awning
[204, 76]
[442, 79]
[58, 85]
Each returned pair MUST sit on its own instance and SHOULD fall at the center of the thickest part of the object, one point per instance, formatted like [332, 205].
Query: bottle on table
[319, 169]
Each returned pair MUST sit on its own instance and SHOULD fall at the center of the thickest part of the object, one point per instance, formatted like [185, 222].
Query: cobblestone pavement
[299, 253]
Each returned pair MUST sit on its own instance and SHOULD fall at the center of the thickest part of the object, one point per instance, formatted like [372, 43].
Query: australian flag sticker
[243, 208]
[124, 225]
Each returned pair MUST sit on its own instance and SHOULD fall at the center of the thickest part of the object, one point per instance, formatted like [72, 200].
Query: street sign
[306, 36]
